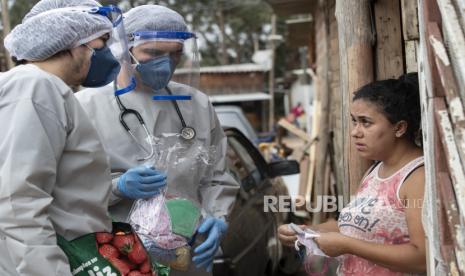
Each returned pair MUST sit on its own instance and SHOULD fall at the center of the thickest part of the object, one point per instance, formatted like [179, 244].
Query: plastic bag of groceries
[167, 222]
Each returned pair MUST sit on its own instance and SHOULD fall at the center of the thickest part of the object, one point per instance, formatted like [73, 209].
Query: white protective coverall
[54, 173]
[160, 117]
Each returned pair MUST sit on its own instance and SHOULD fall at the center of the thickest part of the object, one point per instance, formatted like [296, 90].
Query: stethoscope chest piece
[188, 133]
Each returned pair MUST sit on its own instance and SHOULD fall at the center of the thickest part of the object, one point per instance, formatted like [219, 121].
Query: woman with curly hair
[380, 231]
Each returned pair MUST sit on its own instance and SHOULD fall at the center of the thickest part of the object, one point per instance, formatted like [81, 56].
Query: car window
[242, 165]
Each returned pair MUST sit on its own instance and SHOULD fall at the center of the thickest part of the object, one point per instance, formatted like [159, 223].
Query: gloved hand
[141, 182]
[205, 252]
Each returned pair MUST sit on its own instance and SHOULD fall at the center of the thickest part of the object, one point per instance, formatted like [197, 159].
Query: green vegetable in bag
[184, 216]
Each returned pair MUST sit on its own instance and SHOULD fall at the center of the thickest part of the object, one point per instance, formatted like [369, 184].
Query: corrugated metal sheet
[259, 96]
[233, 68]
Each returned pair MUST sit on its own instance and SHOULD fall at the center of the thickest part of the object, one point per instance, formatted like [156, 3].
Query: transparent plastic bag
[316, 262]
[167, 222]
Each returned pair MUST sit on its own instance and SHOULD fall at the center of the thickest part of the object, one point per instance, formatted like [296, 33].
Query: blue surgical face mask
[156, 73]
[104, 68]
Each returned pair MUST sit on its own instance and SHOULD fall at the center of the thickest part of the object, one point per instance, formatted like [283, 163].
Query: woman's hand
[332, 244]
[287, 236]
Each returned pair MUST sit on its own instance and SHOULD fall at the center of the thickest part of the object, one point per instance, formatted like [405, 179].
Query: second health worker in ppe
[159, 42]
[54, 174]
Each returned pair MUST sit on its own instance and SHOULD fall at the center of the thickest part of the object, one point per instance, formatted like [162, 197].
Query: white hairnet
[47, 33]
[46, 5]
[153, 18]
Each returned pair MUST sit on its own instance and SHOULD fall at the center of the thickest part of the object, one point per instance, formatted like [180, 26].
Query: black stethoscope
[187, 132]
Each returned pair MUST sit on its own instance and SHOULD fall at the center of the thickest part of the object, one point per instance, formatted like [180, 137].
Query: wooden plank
[449, 84]
[431, 12]
[430, 209]
[389, 49]
[453, 160]
[315, 130]
[304, 166]
[460, 6]
[410, 19]
[457, 176]
[428, 11]
[455, 40]
[451, 226]
[448, 215]
[411, 56]
[294, 130]
[437, 88]
[429, 213]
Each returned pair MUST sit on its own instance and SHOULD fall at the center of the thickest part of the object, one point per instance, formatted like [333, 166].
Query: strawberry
[132, 265]
[108, 251]
[137, 254]
[123, 243]
[103, 237]
[136, 273]
[145, 266]
[121, 265]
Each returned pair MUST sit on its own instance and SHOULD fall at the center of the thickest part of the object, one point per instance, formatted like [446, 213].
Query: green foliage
[19, 10]
[246, 24]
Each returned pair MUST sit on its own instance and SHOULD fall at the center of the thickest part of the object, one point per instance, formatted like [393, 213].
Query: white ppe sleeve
[31, 144]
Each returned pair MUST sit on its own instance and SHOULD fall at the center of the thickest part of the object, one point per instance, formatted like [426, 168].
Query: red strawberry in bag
[108, 251]
[123, 242]
[103, 237]
[145, 267]
[137, 254]
[121, 265]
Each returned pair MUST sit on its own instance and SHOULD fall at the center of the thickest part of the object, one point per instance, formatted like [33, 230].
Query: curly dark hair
[398, 99]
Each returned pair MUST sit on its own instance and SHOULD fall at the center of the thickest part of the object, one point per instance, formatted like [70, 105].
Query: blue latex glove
[141, 182]
[205, 252]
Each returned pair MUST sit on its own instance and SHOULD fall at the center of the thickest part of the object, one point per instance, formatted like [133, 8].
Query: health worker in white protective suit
[54, 174]
[159, 42]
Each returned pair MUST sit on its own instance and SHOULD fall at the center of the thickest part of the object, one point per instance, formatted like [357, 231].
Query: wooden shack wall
[232, 83]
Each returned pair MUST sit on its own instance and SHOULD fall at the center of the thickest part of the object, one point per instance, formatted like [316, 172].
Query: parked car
[233, 116]
[251, 246]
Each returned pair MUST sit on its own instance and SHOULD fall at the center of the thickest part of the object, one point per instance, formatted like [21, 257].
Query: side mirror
[285, 167]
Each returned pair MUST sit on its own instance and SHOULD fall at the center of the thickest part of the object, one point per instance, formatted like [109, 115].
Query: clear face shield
[167, 62]
[119, 47]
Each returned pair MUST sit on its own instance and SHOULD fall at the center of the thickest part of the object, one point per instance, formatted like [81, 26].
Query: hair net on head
[50, 32]
[153, 18]
[46, 5]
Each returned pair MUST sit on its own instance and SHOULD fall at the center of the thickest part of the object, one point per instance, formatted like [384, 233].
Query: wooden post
[389, 56]
[410, 19]
[426, 13]
[271, 75]
[323, 132]
[6, 30]
[411, 34]
[356, 57]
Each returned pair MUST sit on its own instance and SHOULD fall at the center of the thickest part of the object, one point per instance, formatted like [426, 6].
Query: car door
[246, 245]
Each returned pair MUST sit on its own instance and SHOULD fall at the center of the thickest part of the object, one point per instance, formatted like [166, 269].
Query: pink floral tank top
[377, 215]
